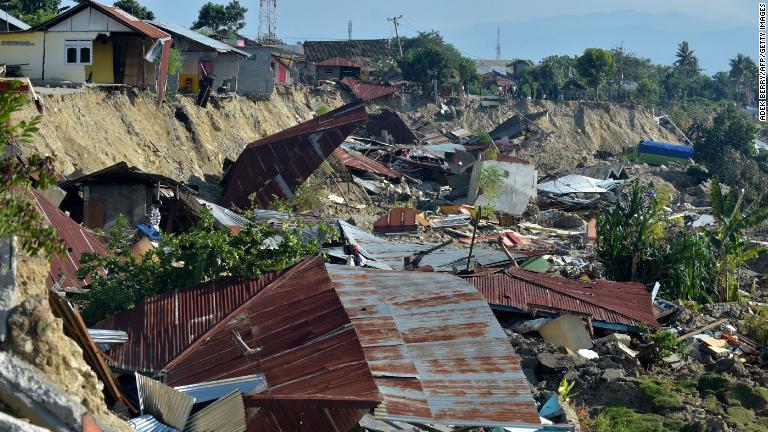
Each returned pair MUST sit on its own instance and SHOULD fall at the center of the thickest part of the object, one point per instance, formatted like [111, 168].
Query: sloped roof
[357, 50]
[627, 303]
[280, 163]
[367, 91]
[13, 21]
[338, 61]
[356, 160]
[77, 239]
[118, 173]
[197, 37]
[118, 14]
[334, 342]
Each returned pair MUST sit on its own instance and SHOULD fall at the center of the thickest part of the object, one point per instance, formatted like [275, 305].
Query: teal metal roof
[197, 37]
[12, 20]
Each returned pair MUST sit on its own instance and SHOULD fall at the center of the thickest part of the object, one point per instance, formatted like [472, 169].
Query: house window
[79, 51]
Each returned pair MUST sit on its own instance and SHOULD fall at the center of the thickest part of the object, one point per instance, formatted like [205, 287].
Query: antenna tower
[349, 30]
[268, 21]
[498, 43]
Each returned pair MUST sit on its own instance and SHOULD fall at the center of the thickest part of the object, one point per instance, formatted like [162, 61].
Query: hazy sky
[716, 29]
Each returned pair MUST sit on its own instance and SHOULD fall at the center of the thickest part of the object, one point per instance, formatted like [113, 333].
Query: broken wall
[518, 187]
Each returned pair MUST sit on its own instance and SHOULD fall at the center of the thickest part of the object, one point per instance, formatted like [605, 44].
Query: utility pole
[349, 30]
[498, 43]
[397, 34]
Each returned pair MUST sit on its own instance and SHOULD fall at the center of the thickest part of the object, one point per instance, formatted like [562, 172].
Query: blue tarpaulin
[665, 149]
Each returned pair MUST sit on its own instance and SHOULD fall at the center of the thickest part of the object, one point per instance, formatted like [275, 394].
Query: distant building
[336, 68]
[368, 54]
[507, 68]
[9, 23]
[204, 56]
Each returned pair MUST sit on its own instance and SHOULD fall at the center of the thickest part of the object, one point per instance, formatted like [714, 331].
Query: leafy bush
[630, 237]
[757, 325]
[691, 278]
[322, 109]
[625, 420]
[491, 180]
[666, 343]
[204, 253]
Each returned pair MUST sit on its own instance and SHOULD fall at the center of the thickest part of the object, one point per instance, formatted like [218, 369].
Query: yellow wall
[23, 48]
[103, 63]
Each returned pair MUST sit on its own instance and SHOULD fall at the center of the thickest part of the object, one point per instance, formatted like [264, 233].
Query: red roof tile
[280, 163]
[356, 160]
[626, 303]
[366, 91]
[77, 239]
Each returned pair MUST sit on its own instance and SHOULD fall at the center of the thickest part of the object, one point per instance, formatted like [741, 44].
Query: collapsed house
[368, 92]
[390, 123]
[97, 199]
[624, 306]
[62, 275]
[277, 165]
[333, 343]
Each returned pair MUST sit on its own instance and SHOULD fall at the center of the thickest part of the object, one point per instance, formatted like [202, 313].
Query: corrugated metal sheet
[359, 50]
[280, 163]
[211, 390]
[160, 327]
[436, 351]
[298, 335]
[397, 220]
[226, 414]
[164, 403]
[197, 37]
[367, 92]
[13, 21]
[77, 239]
[574, 183]
[147, 423]
[338, 61]
[121, 172]
[611, 302]
[108, 336]
[75, 329]
[356, 160]
[391, 122]
[389, 255]
[223, 215]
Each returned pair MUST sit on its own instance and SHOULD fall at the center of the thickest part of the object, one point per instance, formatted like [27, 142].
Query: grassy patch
[746, 420]
[626, 420]
[661, 395]
[713, 383]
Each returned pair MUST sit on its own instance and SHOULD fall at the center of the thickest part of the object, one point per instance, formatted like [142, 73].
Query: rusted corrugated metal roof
[280, 163]
[607, 301]
[119, 173]
[77, 239]
[75, 329]
[436, 351]
[160, 327]
[397, 220]
[338, 61]
[356, 160]
[366, 91]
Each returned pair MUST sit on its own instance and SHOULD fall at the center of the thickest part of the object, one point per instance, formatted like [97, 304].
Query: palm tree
[743, 70]
[686, 62]
[728, 240]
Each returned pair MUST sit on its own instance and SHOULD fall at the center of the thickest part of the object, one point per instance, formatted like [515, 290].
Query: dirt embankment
[91, 130]
[573, 131]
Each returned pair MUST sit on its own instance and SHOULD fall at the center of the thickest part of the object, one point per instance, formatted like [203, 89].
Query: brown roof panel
[160, 327]
[624, 303]
[356, 160]
[366, 91]
[77, 240]
[358, 50]
[394, 125]
[397, 220]
[440, 327]
[280, 163]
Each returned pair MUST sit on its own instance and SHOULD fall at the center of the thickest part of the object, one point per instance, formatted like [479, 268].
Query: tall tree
[595, 66]
[135, 8]
[33, 12]
[743, 72]
[447, 60]
[229, 18]
[687, 63]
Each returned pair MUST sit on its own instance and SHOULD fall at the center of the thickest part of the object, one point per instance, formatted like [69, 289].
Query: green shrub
[661, 394]
[757, 325]
[625, 420]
